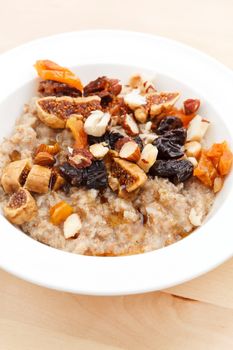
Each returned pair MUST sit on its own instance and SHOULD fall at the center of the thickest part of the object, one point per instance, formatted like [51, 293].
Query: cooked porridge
[108, 169]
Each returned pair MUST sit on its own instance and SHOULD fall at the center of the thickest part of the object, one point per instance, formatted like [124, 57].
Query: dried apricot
[221, 156]
[205, 171]
[60, 212]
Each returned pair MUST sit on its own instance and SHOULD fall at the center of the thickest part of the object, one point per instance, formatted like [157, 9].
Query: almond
[72, 226]
[99, 150]
[81, 158]
[134, 100]
[44, 158]
[130, 125]
[193, 149]
[148, 157]
[121, 142]
[130, 151]
[141, 114]
[197, 128]
[97, 122]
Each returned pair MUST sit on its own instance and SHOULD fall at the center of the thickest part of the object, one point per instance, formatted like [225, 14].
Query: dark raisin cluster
[109, 137]
[175, 170]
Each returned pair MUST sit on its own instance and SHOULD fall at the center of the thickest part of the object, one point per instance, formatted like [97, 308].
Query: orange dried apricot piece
[77, 128]
[60, 212]
[205, 171]
[49, 70]
[225, 162]
[221, 156]
[51, 149]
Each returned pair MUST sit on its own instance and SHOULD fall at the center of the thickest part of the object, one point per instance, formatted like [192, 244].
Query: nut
[97, 122]
[130, 151]
[141, 114]
[14, 175]
[135, 81]
[193, 161]
[148, 87]
[128, 174]
[77, 128]
[191, 106]
[218, 183]
[148, 157]
[130, 125]
[54, 111]
[121, 142]
[157, 102]
[193, 149]
[194, 218]
[99, 150]
[72, 226]
[197, 129]
[38, 179]
[148, 137]
[44, 158]
[21, 207]
[134, 100]
[81, 158]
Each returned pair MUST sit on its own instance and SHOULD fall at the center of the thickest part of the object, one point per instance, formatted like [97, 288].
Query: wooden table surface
[195, 315]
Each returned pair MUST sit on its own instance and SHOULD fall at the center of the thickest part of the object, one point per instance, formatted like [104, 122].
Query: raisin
[175, 170]
[96, 175]
[138, 140]
[55, 88]
[74, 176]
[170, 144]
[109, 137]
[168, 123]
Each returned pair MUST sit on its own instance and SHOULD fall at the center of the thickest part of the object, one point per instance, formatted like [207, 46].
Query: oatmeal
[107, 169]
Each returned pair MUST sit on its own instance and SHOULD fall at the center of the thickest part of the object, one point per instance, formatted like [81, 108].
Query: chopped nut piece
[54, 111]
[60, 212]
[193, 149]
[135, 81]
[14, 175]
[148, 87]
[197, 129]
[99, 150]
[44, 158]
[121, 142]
[97, 122]
[130, 151]
[21, 207]
[81, 158]
[72, 226]
[130, 125]
[77, 128]
[128, 174]
[194, 218]
[218, 184]
[193, 161]
[148, 157]
[157, 102]
[148, 137]
[141, 114]
[134, 100]
[191, 106]
[38, 179]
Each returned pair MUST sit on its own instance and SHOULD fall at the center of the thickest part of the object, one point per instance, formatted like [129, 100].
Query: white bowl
[119, 54]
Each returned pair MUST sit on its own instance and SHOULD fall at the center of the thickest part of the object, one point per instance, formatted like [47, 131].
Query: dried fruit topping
[49, 70]
[56, 180]
[51, 149]
[197, 129]
[128, 174]
[77, 128]
[21, 207]
[157, 102]
[148, 87]
[97, 122]
[54, 111]
[221, 156]
[38, 179]
[130, 151]
[191, 106]
[99, 150]
[72, 226]
[109, 137]
[205, 171]
[81, 158]
[130, 125]
[175, 170]
[218, 184]
[148, 157]
[96, 175]
[45, 159]
[170, 144]
[60, 212]
[15, 174]
[55, 88]
[134, 99]
[74, 176]
[168, 123]
[15, 155]
[193, 149]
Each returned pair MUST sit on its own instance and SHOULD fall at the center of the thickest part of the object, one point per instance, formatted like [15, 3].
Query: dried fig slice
[38, 179]
[129, 174]
[14, 175]
[158, 101]
[54, 111]
[21, 207]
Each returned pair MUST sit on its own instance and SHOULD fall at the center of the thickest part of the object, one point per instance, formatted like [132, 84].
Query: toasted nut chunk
[14, 175]
[135, 81]
[77, 128]
[148, 87]
[54, 111]
[193, 161]
[191, 106]
[99, 150]
[148, 137]
[148, 157]
[72, 226]
[194, 218]
[21, 207]
[130, 151]
[141, 114]
[38, 179]
[193, 149]
[44, 158]
[197, 129]
[157, 102]
[134, 100]
[97, 122]
[81, 158]
[130, 125]
[128, 174]
[218, 183]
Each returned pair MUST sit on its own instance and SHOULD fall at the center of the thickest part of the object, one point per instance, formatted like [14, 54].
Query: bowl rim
[48, 267]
